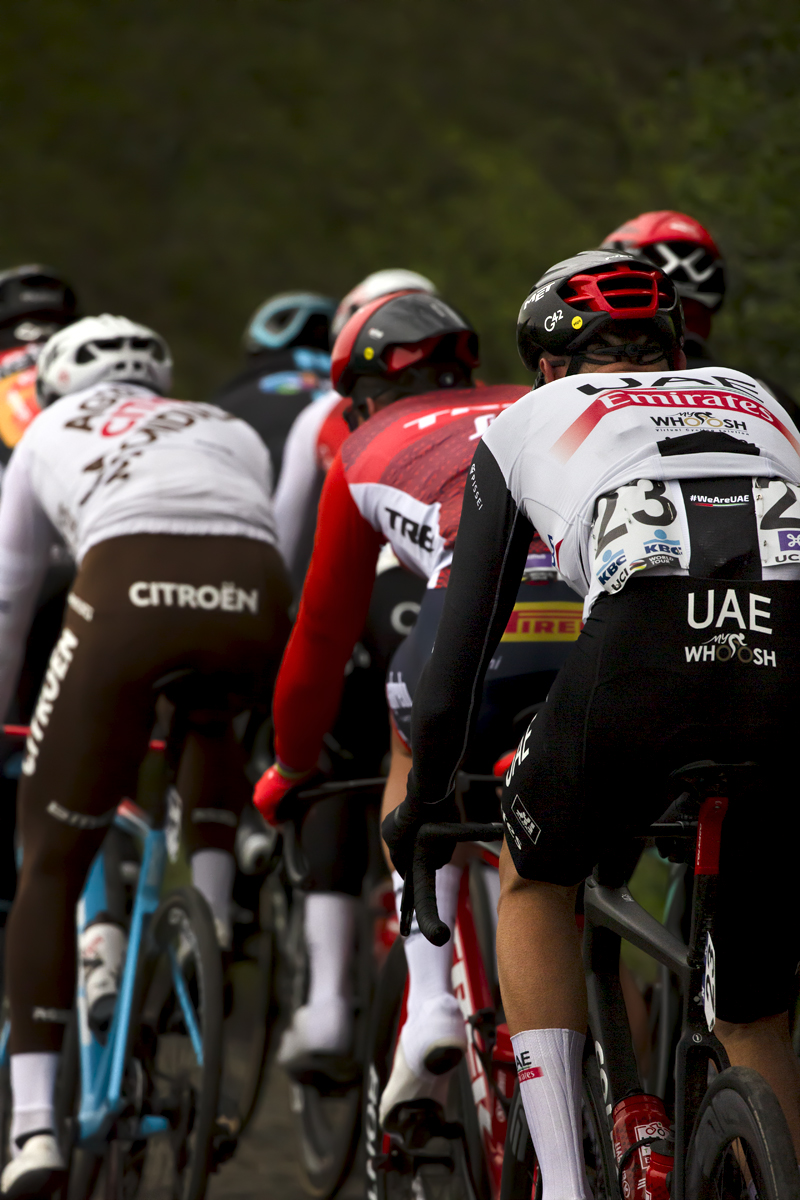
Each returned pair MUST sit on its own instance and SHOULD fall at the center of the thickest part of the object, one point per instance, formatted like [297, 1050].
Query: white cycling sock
[33, 1082]
[433, 1011]
[549, 1068]
[212, 874]
[329, 925]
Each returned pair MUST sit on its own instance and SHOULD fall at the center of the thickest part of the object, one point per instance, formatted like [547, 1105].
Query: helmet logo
[551, 321]
[369, 353]
[673, 261]
[577, 322]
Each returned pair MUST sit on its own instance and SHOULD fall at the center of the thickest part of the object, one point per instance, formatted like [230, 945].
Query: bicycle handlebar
[419, 888]
[22, 731]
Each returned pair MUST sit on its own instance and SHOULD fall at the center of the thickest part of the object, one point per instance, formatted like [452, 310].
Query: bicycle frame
[612, 913]
[489, 1057]
[102, 1066]
[492, 1072]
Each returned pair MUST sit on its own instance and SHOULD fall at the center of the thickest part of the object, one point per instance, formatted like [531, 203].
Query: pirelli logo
[540, 621]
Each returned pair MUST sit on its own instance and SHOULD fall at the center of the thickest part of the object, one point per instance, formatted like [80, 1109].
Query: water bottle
[646, 1169]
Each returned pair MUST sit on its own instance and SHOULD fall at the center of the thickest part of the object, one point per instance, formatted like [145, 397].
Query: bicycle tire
[519, 1160]
[328, 1115]
[175, 1165]
[248, 1032]
[740, 1107]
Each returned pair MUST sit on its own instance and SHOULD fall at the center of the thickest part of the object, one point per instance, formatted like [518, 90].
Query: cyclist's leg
[213, 788]
[333, 837]
[333, 834]
[756, 949]
[433, 1038]
[89, 733]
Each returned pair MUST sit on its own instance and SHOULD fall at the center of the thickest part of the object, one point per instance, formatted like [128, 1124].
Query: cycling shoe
[38, 1170]
[406, 1088]
[434, 1036]
[318, 1041]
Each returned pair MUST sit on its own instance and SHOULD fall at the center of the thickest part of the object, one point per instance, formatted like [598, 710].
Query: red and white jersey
[399, 479]
[596, 462]
[312, 445]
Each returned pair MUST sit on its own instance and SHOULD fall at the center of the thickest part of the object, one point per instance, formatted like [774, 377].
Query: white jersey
[301, 476]
[595, 463]
[114, 460]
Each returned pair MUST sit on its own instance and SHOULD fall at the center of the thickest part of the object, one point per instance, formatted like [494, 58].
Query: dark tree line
[181, 161]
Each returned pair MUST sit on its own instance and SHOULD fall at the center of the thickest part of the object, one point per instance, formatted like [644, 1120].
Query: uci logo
[551, 321]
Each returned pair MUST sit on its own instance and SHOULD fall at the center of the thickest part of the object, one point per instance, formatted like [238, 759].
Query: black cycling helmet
[389, 335]
[579, 298]
[38, 294]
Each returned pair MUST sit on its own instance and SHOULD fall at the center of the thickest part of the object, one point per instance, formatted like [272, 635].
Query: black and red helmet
[682, 248]
[387, 336]
[580, 297]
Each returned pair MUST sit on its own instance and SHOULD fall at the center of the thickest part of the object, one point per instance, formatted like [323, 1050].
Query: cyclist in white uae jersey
[166, 508]
[671, 501]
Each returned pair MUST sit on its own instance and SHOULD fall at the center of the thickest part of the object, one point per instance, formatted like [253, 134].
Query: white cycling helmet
[100, 349]
[379, 283]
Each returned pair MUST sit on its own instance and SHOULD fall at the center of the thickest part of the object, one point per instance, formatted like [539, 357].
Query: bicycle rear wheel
[179, 1046]
[741, 1139]
[250, 1026]
[328, 1111]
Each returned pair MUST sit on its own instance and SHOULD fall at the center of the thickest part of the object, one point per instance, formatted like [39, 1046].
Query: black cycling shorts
[537, 641]
[670, 671]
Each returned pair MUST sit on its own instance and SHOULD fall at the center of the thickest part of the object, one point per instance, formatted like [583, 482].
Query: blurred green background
[181, 160]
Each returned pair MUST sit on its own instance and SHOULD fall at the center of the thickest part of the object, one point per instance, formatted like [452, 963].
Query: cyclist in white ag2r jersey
[165, 506]
[671, 501]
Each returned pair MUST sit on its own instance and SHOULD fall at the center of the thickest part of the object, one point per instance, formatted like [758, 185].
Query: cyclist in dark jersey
[288, 364]
[406, 363]
[686, 251]
[658, 489]
[35, 301]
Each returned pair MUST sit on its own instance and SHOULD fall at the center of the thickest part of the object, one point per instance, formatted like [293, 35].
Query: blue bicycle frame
[102, 1066]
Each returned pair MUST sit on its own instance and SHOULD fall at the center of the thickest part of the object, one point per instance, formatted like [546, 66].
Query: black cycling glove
[399, 828]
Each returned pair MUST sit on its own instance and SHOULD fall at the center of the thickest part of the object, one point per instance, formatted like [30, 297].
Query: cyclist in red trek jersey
[406, 363]
[671, 499]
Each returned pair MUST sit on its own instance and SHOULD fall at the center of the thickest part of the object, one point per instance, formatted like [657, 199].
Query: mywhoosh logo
[700, 420]
[730, 644]
[227, 596]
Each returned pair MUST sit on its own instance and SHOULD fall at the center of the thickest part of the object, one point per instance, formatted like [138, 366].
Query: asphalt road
[266, 1165]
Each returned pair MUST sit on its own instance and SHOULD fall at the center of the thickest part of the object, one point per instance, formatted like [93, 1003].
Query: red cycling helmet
[387, 336]
[580, 297]
[682, 248]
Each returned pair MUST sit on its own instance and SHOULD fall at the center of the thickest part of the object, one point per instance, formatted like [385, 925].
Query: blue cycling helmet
[290, 319]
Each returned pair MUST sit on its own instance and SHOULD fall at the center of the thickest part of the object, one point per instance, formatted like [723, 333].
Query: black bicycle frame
[611, 913]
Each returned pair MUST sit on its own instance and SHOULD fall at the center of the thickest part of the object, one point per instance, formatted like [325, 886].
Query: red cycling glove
[272, 787]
